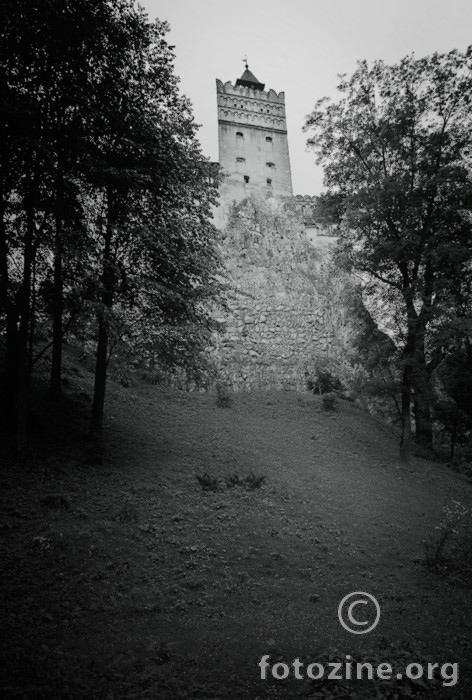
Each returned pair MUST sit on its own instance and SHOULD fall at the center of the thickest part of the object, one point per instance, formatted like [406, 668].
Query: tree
[104, 192]
[395, 150]
[48, 66]
[155, 238]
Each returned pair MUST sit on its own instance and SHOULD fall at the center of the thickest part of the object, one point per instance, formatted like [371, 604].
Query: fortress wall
[287, 312]
[270, 345]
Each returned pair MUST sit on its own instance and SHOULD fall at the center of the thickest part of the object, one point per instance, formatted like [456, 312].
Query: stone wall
[271, 345]
[288, 309]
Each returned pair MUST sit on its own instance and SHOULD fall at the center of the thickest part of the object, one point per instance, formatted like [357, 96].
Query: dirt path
[173, 591]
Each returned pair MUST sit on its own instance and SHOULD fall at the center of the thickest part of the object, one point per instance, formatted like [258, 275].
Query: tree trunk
[10, 375]
[455, 425]
[24, 307]
[405, 442]
[7, 307]
[423, 419]
[407, 376]
[421, 379]
[98, 404]
[100, 378]
[55, 385]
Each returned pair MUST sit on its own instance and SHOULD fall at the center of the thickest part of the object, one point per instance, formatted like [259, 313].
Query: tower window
[268, 139]
[239, 135]
[240, 160]
[270, 165]
[246, 179]
[269, 182]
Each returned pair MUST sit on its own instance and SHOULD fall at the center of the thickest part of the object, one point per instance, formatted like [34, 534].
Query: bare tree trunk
[55, 385]
[423, 419]
[102, 358]
[407, 378]
[7, 307]
[100, 378]
[454, 431]
[22, 364]
[421, 382]
[405, 442]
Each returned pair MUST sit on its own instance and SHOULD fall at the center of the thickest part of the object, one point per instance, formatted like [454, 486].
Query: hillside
[127, 579]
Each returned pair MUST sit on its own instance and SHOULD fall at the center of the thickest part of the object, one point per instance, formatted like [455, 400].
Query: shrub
[234, 480]
[223, 399]
[128, 513]
[250, 482]
[329, 402]
[450, 548]
[207, 482]
[325, 382]
[309, 383]
[55, 502]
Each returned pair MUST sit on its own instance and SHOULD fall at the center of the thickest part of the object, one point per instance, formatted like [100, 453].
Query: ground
[124, 577]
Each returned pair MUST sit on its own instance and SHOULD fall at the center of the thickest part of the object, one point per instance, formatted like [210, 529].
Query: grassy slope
[148, 587]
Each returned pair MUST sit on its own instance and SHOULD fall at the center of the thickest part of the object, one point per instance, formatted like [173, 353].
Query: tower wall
[253, 146]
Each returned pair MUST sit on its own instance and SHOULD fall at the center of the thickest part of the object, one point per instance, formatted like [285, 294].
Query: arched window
[268, 139]
[239, 135]
[240, 160]
[270, 165]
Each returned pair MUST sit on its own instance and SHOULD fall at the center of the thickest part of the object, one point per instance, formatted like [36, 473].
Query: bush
[223, 398]
[322, 382]
[309, 382]
[326, 383]
[329, 402]
[450, 548]
[250, 482]
[128, 513]
[234, 480]
[207, 482]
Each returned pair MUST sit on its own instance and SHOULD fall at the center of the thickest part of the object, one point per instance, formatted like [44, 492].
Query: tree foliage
[105, 195]
[396, 154]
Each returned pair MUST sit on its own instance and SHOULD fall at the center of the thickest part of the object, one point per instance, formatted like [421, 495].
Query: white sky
[298, 46]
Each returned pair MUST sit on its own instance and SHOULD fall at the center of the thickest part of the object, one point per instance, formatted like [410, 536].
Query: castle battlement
[235, 90]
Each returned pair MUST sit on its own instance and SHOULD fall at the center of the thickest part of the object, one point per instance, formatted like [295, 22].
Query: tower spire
[248, 79]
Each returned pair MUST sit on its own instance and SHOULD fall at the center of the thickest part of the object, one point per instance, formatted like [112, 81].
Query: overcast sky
[298, 46]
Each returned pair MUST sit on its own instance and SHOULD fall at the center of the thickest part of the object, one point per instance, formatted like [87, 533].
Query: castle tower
[252, 139]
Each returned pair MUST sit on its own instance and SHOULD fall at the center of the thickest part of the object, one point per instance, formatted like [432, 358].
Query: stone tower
[252, 139]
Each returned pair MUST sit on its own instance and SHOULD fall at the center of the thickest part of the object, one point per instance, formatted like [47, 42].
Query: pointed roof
[249, 80]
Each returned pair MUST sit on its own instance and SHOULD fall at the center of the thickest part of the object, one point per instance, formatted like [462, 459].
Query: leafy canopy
[396, 151]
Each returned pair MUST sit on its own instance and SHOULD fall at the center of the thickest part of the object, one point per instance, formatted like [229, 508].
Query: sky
[299, 47]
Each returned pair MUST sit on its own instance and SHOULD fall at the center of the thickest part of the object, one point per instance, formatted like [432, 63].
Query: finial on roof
[245, 61]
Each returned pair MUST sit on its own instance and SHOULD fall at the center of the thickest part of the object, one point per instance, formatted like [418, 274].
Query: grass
[129, 579]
